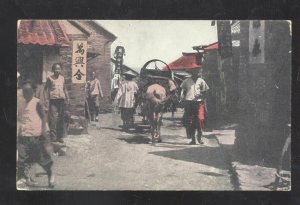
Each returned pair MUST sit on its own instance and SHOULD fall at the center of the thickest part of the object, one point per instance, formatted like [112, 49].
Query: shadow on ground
[137, 139]
[111, 128]
[174, 126]
[170, 141]
[210, 156]
[167, 140]
[212, 174]
[172, 119]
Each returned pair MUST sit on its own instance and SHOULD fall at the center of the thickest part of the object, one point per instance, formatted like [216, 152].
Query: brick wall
[101, 64]
[99, 43]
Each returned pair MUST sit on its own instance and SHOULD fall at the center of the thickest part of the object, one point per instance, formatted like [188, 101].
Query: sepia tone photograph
[177, 105]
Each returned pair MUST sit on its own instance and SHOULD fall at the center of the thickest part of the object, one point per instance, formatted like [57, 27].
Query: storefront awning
[187, 61]
[42, 32]
[213, 46]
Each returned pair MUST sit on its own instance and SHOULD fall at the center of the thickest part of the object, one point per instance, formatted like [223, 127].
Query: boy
[33, 137]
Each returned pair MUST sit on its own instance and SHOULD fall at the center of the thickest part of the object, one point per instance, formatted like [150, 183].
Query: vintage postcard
[154, 105]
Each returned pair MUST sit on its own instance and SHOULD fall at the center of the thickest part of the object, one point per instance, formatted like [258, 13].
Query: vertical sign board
[257, 42]
[79, 53]
[262, 108]
[119, 53]
[224, 39]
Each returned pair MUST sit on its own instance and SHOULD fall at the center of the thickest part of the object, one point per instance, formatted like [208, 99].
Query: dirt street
[110, 159]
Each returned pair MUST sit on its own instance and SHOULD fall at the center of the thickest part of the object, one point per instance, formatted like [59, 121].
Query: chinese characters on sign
[79, 54]
[119, 53]
[257, 41]
[224, 38]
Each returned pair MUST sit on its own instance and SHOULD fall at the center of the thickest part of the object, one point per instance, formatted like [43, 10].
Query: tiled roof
[42, 32]
[187, 61]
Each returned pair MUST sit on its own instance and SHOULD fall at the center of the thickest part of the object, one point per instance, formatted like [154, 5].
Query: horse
[155, 99]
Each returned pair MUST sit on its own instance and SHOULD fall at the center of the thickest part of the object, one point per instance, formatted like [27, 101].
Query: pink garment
[30, 122]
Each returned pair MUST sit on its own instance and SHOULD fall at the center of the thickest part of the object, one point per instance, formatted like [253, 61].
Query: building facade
[264, 87]
[36, 55]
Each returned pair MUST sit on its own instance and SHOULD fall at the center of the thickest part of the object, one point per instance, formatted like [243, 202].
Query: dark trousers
[127, 116]
[32, 150]
[113, 94]
[56, 118]
[94, 106]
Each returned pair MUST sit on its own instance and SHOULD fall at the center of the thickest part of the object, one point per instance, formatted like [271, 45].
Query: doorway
[30, 63]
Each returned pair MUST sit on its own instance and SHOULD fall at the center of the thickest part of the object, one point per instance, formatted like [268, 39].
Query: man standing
[58, 96]
[125, 98]
[94, 92]
[115, 85]
[33, 137]
[193, 92]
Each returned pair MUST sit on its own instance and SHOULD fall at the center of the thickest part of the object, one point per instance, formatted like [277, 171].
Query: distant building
[124, 67]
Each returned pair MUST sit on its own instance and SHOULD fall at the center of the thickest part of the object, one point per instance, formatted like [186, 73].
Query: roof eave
[110, 35]
[78, 26]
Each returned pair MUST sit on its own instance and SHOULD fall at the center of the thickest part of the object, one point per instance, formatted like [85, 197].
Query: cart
[153, 71]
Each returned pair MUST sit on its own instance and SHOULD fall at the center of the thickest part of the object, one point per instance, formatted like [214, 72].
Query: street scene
[154, 105]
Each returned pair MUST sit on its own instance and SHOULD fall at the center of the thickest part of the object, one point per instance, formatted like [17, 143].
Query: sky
[144, 40]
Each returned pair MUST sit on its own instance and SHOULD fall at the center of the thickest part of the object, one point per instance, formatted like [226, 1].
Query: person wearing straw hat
[125, 99]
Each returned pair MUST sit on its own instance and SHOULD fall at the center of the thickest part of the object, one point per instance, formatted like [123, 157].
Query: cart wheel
[152, 65]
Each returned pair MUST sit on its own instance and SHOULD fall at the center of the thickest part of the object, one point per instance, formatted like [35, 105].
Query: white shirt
[193, 89]
[57, 87]
[125, 94]
[115, 82]
[95, 87]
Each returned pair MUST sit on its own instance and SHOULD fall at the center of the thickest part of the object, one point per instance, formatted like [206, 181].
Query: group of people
[193, 96]
[40, 124]
[124, 98]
